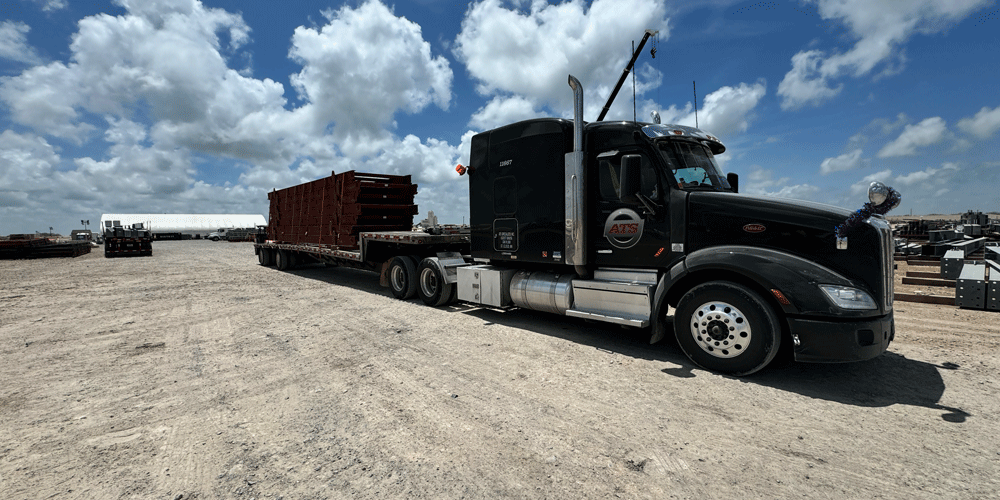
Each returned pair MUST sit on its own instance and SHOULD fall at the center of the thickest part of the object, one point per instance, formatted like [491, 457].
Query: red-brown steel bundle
[39, 248]
[333, 210]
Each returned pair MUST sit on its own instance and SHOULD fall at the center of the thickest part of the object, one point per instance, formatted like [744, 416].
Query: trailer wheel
[433, 289]
[282, 260]
[403, 277]
[727, 328]
[263, 257]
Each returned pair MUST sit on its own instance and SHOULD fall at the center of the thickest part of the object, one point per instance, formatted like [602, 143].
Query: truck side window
[609, 170]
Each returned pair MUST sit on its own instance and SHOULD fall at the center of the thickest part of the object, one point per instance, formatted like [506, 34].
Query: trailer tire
[432, 287]
[264, 257]
[403, 277]
[282, 260]
[727, 328]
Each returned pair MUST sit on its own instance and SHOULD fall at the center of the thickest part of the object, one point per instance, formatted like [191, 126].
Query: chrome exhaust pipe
[575, 187]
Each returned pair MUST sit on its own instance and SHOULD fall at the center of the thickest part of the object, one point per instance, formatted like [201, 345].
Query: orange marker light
[460, 169]
[780, 296]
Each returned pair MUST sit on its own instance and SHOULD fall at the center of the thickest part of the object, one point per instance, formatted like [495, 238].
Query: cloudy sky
[187, 106]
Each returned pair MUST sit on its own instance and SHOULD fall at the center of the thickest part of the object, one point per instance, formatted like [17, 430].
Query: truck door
[629, 234]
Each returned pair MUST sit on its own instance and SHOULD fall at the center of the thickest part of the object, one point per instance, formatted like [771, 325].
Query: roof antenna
[694, 88]
[633, 86]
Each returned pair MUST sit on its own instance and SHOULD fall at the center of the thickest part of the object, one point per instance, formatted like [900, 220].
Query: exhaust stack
[575, 187]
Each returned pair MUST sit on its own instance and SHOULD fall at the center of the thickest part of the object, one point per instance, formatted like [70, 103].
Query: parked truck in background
[632, 224]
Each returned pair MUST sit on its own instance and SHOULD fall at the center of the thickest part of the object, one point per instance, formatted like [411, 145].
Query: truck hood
[768, 210]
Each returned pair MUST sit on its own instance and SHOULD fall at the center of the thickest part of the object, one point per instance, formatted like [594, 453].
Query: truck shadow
[887, 380]
[357, 279]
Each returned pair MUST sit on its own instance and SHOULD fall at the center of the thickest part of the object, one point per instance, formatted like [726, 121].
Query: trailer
[120, 241]
[363, 221]
[625, 223]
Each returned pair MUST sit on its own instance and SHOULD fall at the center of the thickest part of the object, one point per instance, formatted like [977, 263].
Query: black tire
[403, 277]
[431, 286]
[263, 257]
[281, 260]
[727, 328]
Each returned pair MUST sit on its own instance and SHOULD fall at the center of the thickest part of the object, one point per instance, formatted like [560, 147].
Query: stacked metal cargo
[25, 246]
[978, 285]
[132, 241]
[332, 211]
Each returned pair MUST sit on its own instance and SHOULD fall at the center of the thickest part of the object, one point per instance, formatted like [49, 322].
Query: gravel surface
[196, 373]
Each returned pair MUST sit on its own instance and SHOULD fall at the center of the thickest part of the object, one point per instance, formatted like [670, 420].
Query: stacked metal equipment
[978, 285]
[133, 241]
[241, 234]
[332, 211]
[21, 246]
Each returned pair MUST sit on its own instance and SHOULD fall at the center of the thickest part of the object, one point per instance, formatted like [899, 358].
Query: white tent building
[184, 224]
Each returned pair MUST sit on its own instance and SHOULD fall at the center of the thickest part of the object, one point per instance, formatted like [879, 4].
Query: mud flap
[383, 275]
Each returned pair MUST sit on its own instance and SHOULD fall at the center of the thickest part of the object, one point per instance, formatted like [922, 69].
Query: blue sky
[186, 106]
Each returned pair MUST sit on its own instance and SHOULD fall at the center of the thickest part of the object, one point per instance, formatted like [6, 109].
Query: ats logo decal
[623, 229]
[754, 228]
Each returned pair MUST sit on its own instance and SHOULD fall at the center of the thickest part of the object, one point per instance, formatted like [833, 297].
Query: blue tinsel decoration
[858, 217]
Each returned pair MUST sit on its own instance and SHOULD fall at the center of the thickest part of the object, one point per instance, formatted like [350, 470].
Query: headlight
[848, 298]
[877, 193]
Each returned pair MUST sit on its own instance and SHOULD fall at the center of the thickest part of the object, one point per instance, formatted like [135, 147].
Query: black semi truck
[634, 224]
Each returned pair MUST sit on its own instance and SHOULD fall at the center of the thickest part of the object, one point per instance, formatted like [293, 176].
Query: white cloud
[880, 28]
[52, 5]
[14, 43]
[860, 189]
[530, 52]
[983, 125]
[363, 66]
[846, 161]
[169, 62]
[763, 183]
[929, 131]
[503, 110]
[725, 111]
[928, 175]
[805, 83]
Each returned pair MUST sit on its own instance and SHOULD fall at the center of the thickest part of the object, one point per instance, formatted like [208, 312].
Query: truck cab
[626, 222]
[219, 234]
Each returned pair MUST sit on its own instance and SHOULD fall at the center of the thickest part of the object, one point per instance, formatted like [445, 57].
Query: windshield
[692, 165]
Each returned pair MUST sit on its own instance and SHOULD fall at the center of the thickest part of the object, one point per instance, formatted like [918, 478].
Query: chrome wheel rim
[720, 329]
[398, 278]
[428, 283]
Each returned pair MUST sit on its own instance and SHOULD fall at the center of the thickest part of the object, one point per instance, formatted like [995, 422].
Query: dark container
[332, 211]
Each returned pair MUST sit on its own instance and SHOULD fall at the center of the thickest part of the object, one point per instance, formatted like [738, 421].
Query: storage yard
[197, 373]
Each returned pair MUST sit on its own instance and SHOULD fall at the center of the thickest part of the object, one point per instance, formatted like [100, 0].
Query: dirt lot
[196, 373]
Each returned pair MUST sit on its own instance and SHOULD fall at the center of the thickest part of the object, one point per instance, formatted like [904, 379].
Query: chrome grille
[888, 276]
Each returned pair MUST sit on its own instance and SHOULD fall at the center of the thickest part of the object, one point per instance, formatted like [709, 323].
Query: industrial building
[182, 226]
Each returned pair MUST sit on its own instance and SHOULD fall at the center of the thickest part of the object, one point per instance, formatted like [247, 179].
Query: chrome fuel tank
[541, 291]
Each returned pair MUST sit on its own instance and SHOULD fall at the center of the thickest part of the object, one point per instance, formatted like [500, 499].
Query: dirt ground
[196, 373]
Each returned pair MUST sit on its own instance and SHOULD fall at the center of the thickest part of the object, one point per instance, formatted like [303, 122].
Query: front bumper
[829, 341]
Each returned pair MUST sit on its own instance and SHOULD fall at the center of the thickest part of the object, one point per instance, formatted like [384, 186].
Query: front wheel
[727, 328]
[432, 288]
